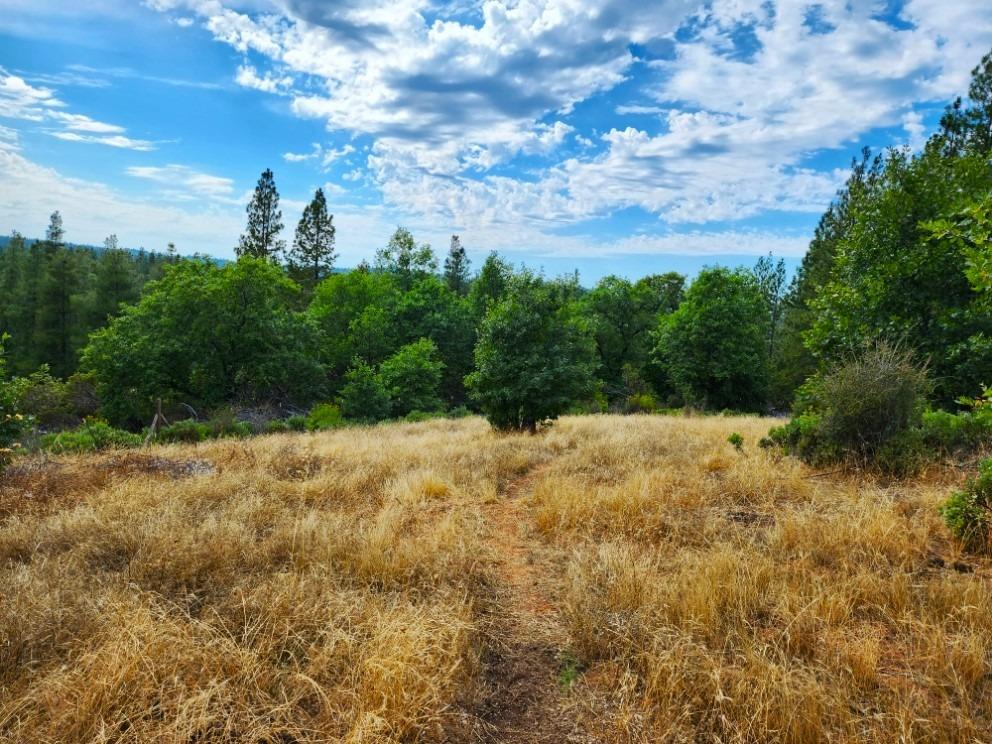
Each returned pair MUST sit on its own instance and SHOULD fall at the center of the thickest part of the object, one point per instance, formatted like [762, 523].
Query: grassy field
[612, 579]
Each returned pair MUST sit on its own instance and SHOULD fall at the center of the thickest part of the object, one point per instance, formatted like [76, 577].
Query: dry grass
[345, 587]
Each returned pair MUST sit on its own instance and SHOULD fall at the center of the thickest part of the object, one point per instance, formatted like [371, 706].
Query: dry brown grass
[346, 587]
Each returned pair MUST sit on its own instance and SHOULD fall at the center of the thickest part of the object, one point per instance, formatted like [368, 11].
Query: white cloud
[114, 140]
[912, 123]
[185, 184]
[324, 155]
[21, 100]
[248, 77]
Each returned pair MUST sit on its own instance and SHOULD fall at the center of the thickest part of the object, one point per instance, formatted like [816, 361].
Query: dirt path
[526, 702]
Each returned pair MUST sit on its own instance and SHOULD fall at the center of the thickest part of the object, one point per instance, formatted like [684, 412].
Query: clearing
[611, 579]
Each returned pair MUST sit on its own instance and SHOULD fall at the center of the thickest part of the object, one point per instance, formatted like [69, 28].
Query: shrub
[43, 397]
[737, 441]
[642, 403]
[12, 421]
[187, 430]
[866, 411]
[297, 423]
[277, 426]
[416, 416]
[224, 423]
[412, 377]
[966, 512]
[363, 397]
[324, 416]
[873, 399]
[91, 435]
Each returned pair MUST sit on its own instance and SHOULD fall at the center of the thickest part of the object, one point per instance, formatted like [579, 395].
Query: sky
[615, 136]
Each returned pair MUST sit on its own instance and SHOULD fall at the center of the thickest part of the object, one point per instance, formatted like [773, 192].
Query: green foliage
[364, 398]
[490, 286]
[354, 313]
[44, 398]
[312, 256]
[297, 423]
[737, 441]
[456, 267]
[641, 403]
[261, 236]
[967, 511]
[417, 416]
[90, 436]
[412, 378]
[867, 411]
[406, 260]
[713, 348]
[534, 358]
[206, 336]
[324, 416]
[12, 421]
[186, 431]
[622, 315]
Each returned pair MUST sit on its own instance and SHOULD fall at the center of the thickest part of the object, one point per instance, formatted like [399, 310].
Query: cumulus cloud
[186, 184]
[447, 101]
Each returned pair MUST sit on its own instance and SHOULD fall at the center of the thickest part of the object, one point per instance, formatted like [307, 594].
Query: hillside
[611, 579]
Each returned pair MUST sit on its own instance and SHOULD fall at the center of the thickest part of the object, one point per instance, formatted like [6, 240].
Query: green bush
[92, 435]
[737, 441]
[642, 403]
[412, 377]
[966, 512]
[324, 416]
[872, 400]
[297, 423]
[224, 423]
[277, 426]
[12, 421]
[187, 431]
[416, 416]
[43, 397]
[364, 398]
[867, 411]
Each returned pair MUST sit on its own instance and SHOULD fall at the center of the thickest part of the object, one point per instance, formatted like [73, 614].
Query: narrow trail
[526, 702]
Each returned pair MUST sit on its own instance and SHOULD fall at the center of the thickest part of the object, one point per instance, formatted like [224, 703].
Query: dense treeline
[901, 256]
[52, 296]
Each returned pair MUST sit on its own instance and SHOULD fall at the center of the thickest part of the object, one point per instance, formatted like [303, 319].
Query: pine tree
[456, 267]
[261, 237]
[55, 234]
[312, 255]
[56, 324]
[115, 282]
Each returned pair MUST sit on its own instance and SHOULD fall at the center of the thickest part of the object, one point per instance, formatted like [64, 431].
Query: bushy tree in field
[11, 420]
[364, 398]
[207, 335]
[533, 359]
[412, 378]
[714, 347]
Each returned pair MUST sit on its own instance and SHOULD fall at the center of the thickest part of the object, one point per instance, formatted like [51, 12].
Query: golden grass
[345, 587]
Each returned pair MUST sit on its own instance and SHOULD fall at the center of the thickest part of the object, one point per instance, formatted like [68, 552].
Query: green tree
[456, 267]
[55, 232]
[714, 347]
[771, 278]
[490, 285]
[430, 310]
[405, 259]
[412, 378]
[364, 398]
[968, 129]
[261, 237]
[207, 336]
[115, 282]
[622, 316]
[354, 312]
[533, 359]
[312, 255]
[58, 329]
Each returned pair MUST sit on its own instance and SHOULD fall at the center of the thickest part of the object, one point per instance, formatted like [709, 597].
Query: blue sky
[617, 136]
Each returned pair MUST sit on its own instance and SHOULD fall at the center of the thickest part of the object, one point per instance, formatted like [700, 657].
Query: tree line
[901, 255]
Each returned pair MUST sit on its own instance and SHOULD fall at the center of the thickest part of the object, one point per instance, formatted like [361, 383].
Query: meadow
[628, 579]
